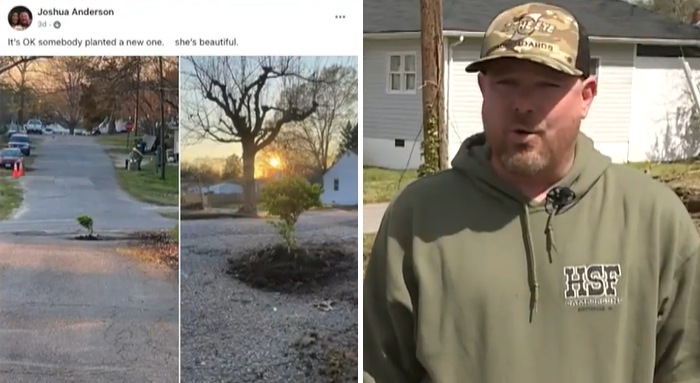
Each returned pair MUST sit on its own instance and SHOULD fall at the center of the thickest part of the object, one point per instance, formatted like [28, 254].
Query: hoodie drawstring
[549, 233]
[532, 258]
[531, 263]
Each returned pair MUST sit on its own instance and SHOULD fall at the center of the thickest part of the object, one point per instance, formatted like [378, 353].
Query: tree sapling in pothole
[288, 266]
[87, 223]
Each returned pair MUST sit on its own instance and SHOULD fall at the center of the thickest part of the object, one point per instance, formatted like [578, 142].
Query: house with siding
[642, 111]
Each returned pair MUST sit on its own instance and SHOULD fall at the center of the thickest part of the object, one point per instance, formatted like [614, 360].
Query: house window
[402, 73]
[399, 143]
[595, 66]
[336, 184]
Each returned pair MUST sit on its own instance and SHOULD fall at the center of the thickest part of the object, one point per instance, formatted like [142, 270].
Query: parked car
[58, 129]
[10, 156]
[34, 126]
[14, 129]
[21, 142]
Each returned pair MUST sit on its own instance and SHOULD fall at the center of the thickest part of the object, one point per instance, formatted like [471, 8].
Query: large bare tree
[8, 63]
[20, 81]
[247, 100]
[64, 81]
[337, 104]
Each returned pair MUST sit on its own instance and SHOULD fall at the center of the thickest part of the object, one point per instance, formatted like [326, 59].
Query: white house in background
[638, 115]
[224, 188]
[340, 181]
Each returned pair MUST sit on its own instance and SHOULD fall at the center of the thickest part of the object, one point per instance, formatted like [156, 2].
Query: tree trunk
[249, 207]
[112, 125]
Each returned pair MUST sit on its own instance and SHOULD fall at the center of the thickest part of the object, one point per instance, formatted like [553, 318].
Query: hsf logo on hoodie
[592, 286]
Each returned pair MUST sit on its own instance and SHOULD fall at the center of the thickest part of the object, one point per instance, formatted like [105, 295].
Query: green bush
[86, 222]
[287, 199]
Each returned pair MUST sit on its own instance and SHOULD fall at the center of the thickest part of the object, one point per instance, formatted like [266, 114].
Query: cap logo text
[527, 25]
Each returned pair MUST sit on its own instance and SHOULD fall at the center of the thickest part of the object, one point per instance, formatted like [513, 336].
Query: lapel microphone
[558, 198]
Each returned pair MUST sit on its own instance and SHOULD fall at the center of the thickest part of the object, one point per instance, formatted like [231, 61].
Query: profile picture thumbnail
[20, 18]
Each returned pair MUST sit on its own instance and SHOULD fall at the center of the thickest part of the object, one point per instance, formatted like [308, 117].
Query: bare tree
[65, 80]
[19, 77]
[681, 10]
[247, 100]
[8, 63]
[337, 103]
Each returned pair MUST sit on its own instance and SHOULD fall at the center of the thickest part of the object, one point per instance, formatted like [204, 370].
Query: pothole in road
[302, 270]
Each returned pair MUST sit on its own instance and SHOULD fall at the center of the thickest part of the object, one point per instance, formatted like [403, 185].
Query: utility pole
[162, 121]
[136, 111]
[434, 132]
[138, 91]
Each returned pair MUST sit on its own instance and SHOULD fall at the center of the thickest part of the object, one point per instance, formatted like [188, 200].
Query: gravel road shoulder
[232, 332]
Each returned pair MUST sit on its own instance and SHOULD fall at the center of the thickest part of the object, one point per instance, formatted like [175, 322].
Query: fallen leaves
[158, 247]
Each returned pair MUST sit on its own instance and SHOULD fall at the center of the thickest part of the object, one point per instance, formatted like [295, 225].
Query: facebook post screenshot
[179, 191]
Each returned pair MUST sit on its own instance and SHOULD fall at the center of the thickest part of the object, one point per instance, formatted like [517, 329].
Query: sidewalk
[372, 216]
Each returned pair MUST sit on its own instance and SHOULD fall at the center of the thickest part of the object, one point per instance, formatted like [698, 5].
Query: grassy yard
[117, 142]
[672, 173]
[147, 186]
[380, 185]
[10, 195]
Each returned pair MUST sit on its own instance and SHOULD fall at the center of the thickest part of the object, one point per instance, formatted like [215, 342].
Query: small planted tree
[287, 199]
[86, 222]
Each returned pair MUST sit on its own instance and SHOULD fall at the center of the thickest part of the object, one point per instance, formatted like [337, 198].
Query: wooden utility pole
[136, 109]
[138, 91]
[163, 155]
[434, 132]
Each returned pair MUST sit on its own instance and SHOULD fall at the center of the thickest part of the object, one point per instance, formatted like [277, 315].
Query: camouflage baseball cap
[539, 32]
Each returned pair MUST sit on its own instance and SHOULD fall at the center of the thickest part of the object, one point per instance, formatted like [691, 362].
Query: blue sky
[208, 148]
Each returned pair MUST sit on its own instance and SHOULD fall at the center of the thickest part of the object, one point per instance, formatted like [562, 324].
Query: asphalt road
[73, 176]
[79, 311]
[71, 312]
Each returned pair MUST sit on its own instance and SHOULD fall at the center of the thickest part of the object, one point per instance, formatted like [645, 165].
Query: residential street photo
[269, 196]
[88, 219]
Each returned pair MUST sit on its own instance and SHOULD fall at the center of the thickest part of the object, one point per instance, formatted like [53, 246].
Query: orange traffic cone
[21, 169]
[15, 171]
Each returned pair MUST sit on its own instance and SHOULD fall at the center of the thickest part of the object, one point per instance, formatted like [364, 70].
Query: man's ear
[481, 79]
[589, 89]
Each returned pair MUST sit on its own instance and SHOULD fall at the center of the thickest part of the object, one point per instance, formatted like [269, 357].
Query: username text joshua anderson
[75, 12]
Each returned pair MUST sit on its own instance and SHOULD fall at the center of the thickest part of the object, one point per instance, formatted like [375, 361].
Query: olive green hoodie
[469, 282]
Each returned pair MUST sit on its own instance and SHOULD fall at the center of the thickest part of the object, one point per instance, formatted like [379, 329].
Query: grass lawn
[147, 186]
[10, 195]
[667, 170]
[175, 232]
[171, 214]
[380, 185]
[117, 142]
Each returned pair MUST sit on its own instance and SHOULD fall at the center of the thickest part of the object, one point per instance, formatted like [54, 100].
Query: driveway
[72, 176]
[72, 313]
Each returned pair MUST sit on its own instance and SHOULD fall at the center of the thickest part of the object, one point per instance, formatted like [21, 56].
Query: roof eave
[596, 39]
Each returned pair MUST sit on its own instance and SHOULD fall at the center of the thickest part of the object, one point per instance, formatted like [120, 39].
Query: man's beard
[526, 161]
